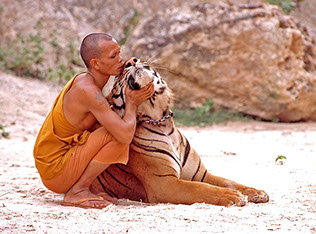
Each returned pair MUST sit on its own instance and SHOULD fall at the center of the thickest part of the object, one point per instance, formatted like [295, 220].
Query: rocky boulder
[305, 13]
[248, 58]
[42, 38]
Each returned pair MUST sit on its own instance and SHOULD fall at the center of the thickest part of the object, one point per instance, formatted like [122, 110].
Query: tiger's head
[136, 76]
[140, 74]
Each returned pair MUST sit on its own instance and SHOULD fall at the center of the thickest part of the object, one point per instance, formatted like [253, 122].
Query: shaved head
[90, 46]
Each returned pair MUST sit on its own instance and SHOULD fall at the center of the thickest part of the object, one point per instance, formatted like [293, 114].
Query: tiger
[163, 167]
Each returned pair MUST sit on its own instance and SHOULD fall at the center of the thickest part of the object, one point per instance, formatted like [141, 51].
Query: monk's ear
[94, 63]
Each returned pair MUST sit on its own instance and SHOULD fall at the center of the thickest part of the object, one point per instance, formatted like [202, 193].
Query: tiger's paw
[232, 197]
[256, 196]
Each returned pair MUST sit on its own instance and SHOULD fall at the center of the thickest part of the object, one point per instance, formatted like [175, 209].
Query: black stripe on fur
[155, 150]
[203, 176]
[119, 107]
[197, 170]
[165, 175]
[153, 131]
[110, 192]
[151, 140]
[186, 152]
[116, 180]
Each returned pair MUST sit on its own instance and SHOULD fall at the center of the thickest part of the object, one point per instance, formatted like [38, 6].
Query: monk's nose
[131, 62]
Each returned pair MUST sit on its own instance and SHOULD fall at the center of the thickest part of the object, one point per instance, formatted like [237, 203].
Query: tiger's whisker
[151, 58]
[157, 66]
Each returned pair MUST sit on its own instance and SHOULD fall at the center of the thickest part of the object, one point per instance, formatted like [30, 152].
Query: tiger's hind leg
[119, 182]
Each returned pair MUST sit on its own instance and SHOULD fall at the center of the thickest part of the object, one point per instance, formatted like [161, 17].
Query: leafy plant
[205, 109]
[131, 24]
[72, 54]
[25, 57]
[206, 115]
[3, 132]
[62, 73]
[65, 70]
[20, 55]
[280, 160]
[286, 5]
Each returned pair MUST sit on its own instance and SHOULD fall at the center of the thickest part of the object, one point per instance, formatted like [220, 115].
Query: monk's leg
[81, 189]
[86, 163]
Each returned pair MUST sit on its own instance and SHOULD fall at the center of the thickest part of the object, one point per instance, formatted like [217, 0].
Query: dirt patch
[244, 152]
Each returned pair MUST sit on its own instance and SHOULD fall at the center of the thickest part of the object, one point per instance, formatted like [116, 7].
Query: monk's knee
[121, 147]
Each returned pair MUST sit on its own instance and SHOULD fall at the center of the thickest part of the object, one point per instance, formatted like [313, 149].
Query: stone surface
[62, 24]
[248, 58]
[305, 14]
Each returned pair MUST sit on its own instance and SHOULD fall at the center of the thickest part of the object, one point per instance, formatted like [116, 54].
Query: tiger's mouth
[132, 83]
[138, 79]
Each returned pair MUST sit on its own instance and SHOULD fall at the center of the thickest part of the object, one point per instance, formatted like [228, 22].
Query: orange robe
[56, 140]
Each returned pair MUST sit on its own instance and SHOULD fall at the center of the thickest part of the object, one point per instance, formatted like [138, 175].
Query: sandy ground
[244, 152]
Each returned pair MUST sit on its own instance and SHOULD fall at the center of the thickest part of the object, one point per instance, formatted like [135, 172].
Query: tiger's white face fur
[137, 76]
[141, 74]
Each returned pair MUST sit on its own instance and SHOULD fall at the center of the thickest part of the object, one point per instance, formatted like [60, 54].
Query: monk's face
[110, 61]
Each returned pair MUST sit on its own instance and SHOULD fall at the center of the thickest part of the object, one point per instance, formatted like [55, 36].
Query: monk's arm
[122, 129]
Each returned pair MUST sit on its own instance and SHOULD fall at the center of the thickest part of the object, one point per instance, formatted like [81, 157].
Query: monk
[71, 150]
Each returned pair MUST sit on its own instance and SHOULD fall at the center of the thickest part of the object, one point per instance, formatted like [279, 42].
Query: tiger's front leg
[178, 191]
[254, 195]
[161, 183]
[201, 174]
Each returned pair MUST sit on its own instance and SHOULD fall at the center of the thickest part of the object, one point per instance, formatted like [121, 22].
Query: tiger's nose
[130, 62]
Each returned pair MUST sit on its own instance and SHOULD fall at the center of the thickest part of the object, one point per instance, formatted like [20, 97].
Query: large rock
[305, 13]
[59, 27]
[251, 59]
[248, 58]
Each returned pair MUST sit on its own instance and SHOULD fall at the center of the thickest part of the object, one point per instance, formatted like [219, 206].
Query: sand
[244, 152]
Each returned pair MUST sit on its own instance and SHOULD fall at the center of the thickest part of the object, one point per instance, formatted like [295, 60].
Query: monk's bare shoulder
[88, 91]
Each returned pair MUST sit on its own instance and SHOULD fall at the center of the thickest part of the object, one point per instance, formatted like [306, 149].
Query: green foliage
[286, 5]
[275, 120]
[205, 116]
[72, 54]
[205, 109]
[64, 71]
[4, 133]
[22, 53]
[280, 157]
[280, 160]
[25, 57]
[131, 24]
[61, 72]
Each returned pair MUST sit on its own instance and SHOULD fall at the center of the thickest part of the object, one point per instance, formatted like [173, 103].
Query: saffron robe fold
[57, 139]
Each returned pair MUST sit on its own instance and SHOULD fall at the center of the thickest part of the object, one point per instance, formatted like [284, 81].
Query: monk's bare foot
[103, 194]
[85, 199]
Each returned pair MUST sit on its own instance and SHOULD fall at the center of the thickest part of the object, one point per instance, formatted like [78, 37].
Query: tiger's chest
[160, 150]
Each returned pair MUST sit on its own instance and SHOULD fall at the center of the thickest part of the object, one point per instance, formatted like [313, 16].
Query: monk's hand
[137, 97]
